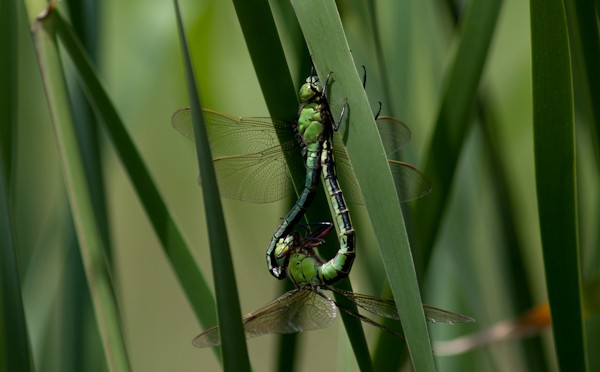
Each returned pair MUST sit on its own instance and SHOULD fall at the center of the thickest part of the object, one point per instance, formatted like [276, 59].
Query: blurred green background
[139, 62]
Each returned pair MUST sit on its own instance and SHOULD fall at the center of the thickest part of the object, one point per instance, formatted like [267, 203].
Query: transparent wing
[294, 311]
[208, 338]
[434, 315]
[368, 320]
[249, 160]
[410, 183]
[247, 178]
[345, 173]
[394, 134]
[376, 305]
[181, 120]
[387, 308]
[235, 135]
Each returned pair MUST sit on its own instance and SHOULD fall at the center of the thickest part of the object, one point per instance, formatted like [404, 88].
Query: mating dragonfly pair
[249, 156]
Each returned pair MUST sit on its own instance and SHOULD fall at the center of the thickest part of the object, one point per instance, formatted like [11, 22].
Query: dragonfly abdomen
[313, 171]
[339, 266]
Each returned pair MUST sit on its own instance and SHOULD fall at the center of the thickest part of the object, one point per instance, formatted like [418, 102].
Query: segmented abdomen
[339, 266]
[313, 171]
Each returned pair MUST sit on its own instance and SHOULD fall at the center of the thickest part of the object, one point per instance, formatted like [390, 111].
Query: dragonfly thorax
[310, 124]
[302, 264]
[304, 268]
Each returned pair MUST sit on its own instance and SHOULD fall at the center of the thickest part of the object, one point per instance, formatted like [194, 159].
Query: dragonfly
[249, 156]
[308, 307]
[314, 129]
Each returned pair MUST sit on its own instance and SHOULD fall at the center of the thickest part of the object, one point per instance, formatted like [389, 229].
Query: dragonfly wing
[238, 135]
[256, 178]
[294, 311]
[394, 134]
[434, 315]
[362, 317]
[181, 120]
[376, 305]
[208, 338]
[410, 183]
[345, 173]
[230, 135]
[249, 159]
[387, 308]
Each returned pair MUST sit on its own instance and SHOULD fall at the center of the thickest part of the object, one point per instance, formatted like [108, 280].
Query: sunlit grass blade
[453, 120]
[555, 173]
[382, 66]
[84, 16]
[366, 153]
[389, 353]
[234, 351]
[175, 247]
[92, 247]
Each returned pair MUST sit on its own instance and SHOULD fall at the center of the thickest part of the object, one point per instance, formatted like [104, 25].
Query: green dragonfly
[314, 128]
[308, 307]
[250, 160]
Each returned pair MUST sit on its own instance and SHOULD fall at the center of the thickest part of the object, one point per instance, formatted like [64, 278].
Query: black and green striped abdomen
[339, 266]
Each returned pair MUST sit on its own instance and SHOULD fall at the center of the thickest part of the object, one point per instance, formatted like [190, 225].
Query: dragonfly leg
[364, 76]
[325, 229]
[378, 111]
[317, 238]
[326, 83]
[364, 83]
[307, 227]
[338, 122]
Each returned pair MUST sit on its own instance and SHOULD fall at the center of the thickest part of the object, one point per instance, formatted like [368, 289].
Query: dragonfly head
[284, 247]
[310, 88]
